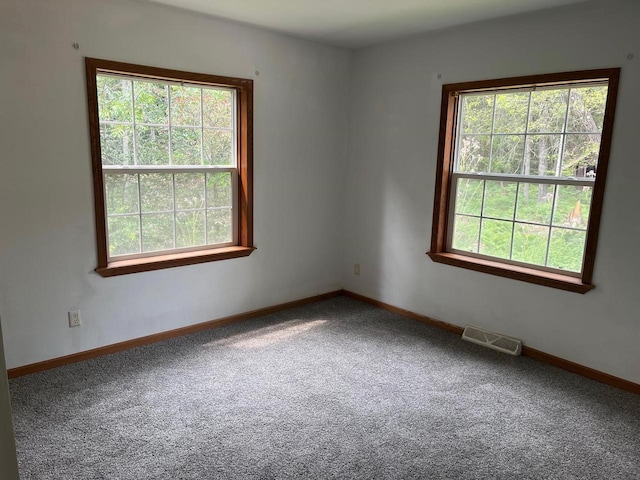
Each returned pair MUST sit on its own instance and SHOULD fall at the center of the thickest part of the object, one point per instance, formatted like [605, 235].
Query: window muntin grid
[495, 121]
[493, 149]
[151, 121]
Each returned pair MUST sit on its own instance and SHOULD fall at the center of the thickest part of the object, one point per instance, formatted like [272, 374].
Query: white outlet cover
[74, 318]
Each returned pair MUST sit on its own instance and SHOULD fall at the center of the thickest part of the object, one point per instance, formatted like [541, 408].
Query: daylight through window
[168, 163]
[172, 162]
[524, 162]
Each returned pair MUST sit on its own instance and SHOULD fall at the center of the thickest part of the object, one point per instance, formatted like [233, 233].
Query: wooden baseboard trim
[597, 375]
[526, 351]
[158, 337]
[406, 313]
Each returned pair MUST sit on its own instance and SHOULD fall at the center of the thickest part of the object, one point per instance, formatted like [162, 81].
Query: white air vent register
[492, 340]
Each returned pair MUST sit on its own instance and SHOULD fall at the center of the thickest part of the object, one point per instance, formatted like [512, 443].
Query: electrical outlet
[74, 318]
[356, 269]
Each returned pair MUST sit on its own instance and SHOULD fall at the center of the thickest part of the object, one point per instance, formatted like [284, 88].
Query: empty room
[249, 238]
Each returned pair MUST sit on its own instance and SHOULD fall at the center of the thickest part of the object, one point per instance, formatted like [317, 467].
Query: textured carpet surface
[335, 389]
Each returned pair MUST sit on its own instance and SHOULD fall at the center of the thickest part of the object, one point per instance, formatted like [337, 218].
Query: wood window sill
[531, 275]
[124, 267]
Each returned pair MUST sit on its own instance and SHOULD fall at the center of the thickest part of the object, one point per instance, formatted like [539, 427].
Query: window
[172, 166]
[521, 172]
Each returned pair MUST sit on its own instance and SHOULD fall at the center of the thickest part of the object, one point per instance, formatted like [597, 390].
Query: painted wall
[8, 461]
[393, 146]
[47, 239]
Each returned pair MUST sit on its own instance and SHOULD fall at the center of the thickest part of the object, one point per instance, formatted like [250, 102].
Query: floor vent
[492, 340]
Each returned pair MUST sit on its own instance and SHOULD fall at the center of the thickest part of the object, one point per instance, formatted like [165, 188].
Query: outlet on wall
[356, 269]
[74, 318]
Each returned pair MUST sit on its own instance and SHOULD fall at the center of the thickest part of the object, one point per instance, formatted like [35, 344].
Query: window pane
[157, 232]
[151, 102]
[219, 226]
[566, 248]
[219, 189]
[572, 206]
[156, 192]
[473, 153]
[189, 229]
[511, 113]
[534, 203]
[152, 144]
[185, 105]
[124, 235]
[581, 153]
[586, 109]
[507, 153]
[477, 113]
[530, 243]
[122, 193]
[189, 191]
[469, 196]
[218, 148]
[499, 200]
[114, 99]
[495, 238]
[542, 154]
[466, 231]
[116, 144]
[186, 146]
[548, 111]
[217, 108]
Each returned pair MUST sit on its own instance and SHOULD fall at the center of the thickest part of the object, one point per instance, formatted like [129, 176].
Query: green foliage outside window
[546, 133]
[146, 123]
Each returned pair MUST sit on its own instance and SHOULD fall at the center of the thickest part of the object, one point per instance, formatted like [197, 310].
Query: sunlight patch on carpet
[268, 335]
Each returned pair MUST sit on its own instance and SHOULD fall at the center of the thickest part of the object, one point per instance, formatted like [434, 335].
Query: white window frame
[518, 179]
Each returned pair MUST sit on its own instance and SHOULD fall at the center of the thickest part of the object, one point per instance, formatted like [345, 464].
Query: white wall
[393, 145]
[8, 461]
[47, 239]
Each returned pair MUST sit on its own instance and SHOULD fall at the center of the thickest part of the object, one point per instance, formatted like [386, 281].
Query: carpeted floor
[335, 389]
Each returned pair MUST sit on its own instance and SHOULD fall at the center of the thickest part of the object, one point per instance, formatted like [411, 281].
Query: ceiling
[358, 23]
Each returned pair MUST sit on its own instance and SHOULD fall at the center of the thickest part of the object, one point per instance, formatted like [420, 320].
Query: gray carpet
[335, 389]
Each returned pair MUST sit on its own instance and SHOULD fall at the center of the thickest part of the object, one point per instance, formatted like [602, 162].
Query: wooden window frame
[244, 193]
[442, 201]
